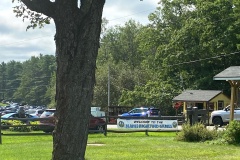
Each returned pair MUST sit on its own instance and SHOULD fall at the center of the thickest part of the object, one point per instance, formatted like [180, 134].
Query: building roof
[231, 73]
[197, 95]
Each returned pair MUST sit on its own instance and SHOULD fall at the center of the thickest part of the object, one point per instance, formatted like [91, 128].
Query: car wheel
[217, 121]
[101, 128]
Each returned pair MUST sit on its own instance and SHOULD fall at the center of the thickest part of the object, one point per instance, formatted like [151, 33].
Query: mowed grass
[26, 148]
[120, 146]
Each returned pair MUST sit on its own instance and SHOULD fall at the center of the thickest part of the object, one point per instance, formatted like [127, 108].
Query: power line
[203, 59]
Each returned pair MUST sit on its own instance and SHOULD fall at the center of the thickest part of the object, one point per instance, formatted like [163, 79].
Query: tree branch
[45, 7]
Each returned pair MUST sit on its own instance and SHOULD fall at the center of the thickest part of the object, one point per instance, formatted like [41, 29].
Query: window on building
[199, 105]
[211, 106]
[220, 105]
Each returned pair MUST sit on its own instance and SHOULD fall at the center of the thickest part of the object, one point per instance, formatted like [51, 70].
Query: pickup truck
[221, 117]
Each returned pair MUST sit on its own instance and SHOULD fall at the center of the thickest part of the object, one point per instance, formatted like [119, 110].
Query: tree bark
[77, 42]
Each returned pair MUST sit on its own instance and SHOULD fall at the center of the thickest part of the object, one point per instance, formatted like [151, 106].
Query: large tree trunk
[77, 43]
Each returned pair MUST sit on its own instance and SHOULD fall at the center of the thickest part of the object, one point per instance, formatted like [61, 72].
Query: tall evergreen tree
[13, 76]
[35, 79]
[3, 80]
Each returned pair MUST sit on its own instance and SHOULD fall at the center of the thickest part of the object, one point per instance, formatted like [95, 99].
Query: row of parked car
[12, 108]
[48, 122]
[95, 123]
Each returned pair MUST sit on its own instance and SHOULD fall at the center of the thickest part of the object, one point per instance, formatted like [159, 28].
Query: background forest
[185, 44]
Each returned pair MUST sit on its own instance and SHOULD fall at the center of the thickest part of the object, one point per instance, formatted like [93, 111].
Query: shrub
[35, 128]
[20, 128]
[232, 133]
[196, 133]
[4, 123]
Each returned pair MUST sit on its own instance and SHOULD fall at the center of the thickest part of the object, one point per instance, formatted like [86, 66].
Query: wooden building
[203, 99]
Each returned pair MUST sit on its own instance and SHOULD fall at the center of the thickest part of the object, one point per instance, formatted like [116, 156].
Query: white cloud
[120, 11]
[18, 44]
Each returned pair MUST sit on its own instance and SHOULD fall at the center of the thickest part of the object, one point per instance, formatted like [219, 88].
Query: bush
[20, 128]
[196, 133]
[232, 133]
[5, 122]
[35, 128]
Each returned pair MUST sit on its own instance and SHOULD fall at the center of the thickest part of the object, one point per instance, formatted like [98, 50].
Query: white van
[96, 112]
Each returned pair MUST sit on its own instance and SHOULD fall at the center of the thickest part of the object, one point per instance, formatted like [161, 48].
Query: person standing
[21, 112]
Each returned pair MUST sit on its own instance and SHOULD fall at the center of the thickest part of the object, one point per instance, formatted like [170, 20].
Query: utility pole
[108, 85]
[109, 80]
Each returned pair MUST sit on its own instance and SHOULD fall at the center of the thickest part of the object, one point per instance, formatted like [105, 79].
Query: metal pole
[105, 131]
[107, 57]
[108, 85]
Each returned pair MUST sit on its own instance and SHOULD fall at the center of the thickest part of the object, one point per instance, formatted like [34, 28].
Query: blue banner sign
[147, 124]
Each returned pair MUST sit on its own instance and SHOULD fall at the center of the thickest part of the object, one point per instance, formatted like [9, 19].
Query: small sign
[177, 105]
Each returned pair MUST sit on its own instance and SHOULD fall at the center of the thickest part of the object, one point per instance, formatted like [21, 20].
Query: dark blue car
[138, 112]
[142, 112]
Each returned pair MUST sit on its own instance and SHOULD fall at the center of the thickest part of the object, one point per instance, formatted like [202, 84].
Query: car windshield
[32, 111]
[227, 108]
[48, 113]
[154, 110]
[139, 110]
[40, 111]
[7, 115]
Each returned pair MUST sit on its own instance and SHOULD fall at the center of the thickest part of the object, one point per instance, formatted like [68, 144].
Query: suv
[142, 112]
[153, 112]
[221, 117]
[48, 124]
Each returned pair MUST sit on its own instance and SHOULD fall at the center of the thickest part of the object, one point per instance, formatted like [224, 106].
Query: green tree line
[184, 45]
[28, 82]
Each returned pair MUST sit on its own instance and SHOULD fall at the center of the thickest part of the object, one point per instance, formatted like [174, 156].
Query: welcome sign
[146, 124]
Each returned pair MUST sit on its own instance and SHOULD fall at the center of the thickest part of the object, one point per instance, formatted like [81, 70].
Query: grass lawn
[120, 146]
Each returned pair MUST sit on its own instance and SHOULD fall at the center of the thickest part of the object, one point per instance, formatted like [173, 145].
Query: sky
[19, 45]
